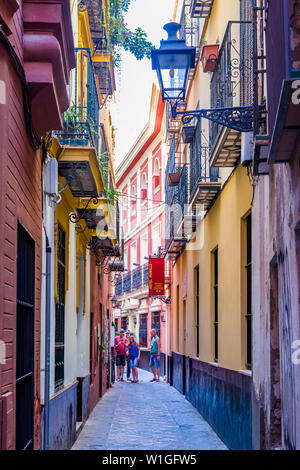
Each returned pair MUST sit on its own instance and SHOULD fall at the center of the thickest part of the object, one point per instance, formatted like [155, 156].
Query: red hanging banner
[156, 276]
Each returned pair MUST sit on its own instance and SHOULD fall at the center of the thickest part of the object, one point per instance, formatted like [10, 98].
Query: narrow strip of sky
[134, 80]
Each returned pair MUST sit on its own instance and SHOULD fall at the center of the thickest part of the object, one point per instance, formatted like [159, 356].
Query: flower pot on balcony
[188, 134]
[209, 57]
[173, 179]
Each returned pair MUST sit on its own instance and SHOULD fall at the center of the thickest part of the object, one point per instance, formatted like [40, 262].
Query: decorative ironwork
[74, 218]
[239, 118]
[132, 280]
[229, 107]
[81, 121]
[200, 170]
[201, 8]
[164, 298]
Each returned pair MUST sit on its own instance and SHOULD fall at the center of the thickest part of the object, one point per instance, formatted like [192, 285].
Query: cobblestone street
[146, 416]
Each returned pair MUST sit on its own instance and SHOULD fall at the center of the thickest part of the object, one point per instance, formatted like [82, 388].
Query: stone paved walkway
[150, 416]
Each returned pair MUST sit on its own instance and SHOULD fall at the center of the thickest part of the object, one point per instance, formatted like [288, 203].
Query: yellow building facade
[82, 233]
[210, 242]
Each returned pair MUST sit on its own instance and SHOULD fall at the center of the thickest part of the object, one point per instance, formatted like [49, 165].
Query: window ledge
[245, 372]
[156, 189]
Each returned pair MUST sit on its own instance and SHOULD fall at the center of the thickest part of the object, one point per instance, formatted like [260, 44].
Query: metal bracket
[75, 219]
[239, 118]
[166, 299]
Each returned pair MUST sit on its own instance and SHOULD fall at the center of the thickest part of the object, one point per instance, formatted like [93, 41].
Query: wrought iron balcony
[201, 8]
[204, 180]
[190, 32]
[231, 87]
[127, 283]
[81, 121]
[176, 198]
[132, 281]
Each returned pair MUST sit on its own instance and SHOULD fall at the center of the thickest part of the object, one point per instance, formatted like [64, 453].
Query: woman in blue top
[134, 352]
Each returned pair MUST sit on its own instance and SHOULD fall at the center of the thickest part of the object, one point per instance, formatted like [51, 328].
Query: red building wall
[20, 200]
[100, 303]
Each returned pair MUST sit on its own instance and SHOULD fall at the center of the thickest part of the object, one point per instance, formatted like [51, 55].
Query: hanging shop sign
[156, 276]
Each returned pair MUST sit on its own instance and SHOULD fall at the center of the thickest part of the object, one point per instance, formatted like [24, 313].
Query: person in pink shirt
[121, 346]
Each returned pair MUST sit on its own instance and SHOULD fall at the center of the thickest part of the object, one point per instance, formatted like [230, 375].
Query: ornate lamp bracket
[74, 218]
[239, 118]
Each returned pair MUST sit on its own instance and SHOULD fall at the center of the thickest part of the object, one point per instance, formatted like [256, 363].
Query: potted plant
[209, 56]
[173, 178]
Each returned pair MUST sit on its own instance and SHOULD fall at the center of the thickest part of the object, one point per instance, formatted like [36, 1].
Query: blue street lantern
[172, 62]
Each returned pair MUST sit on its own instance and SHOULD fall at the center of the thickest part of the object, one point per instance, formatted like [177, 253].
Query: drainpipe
[47, 345]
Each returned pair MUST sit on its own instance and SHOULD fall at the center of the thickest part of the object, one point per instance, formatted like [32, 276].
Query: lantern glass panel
[173, 69]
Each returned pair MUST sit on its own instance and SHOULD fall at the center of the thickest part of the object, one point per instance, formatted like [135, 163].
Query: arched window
[144, 186]
[133, 198]
[156, 174]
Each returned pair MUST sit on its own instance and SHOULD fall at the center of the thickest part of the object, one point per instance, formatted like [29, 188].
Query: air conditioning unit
[247, 148]
[51, 177]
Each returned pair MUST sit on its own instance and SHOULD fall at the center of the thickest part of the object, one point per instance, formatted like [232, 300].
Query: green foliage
[138, 45]
[72, 115]
[111, 193]
[122, 37]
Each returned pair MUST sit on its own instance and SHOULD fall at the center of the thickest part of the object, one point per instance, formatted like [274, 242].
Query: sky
[134, 79]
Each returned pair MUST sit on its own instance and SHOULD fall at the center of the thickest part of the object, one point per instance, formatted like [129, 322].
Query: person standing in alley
[155, 356]
[127, 333]
[134, 352]
[121, 345]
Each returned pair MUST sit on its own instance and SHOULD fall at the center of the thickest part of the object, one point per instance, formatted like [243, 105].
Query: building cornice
[146, 137]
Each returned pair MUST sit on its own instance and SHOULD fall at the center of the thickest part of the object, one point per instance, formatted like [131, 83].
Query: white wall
[70, 313]
[48, 224]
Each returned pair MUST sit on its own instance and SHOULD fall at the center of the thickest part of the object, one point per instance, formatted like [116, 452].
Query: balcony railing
[232, 80]
[189, 26]
[200, 170]
[133, 280]
[201, 8]
[81, 121]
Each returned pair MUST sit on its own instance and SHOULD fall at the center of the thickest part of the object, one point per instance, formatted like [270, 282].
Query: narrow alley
[148, 416]
[150, 219]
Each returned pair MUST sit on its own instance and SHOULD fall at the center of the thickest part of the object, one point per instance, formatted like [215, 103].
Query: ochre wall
[20, 200]
[221, 227]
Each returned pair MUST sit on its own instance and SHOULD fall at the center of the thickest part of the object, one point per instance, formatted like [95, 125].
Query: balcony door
[25, 341]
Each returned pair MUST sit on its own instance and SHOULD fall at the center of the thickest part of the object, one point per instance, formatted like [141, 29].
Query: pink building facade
[36, 56]
[140, 182]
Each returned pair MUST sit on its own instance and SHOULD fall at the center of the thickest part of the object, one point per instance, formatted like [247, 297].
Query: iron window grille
[200, 170]
[248, 268]
[81, 121]
[232, 81]
[25, 341]
[197, 309]
[143, 329]
[60, 309]
[216, 303]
